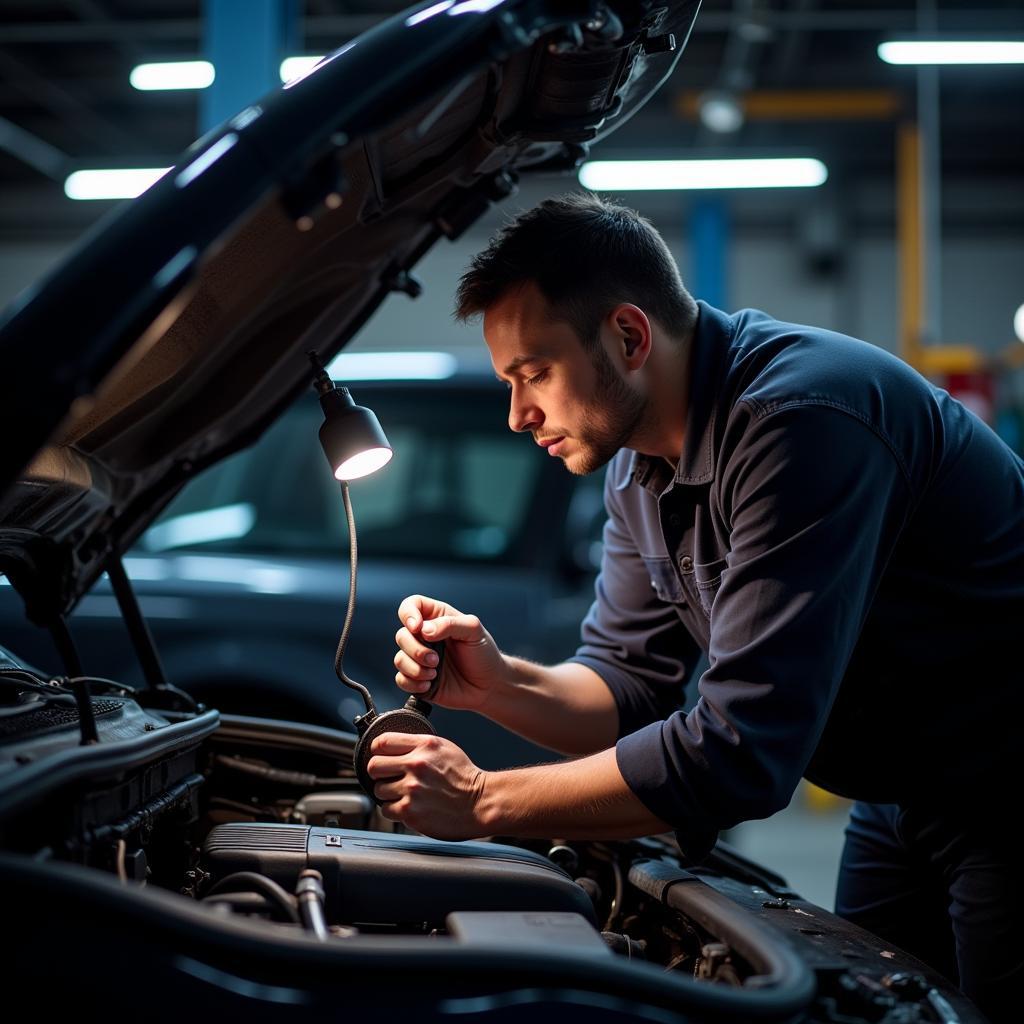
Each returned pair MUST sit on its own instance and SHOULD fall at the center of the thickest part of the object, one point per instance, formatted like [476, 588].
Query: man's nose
[522, 414]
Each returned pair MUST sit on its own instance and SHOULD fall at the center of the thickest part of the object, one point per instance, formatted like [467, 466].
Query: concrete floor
[801, 843]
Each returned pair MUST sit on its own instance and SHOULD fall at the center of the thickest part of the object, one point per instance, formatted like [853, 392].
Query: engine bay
[258, 830]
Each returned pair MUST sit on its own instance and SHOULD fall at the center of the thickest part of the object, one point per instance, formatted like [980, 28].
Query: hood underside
[178, 330]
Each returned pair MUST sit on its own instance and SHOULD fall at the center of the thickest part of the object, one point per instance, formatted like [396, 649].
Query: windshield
[458, 488]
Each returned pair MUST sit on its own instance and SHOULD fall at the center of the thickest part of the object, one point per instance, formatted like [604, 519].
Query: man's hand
[567, 707]
[427, 783]
[472, 663]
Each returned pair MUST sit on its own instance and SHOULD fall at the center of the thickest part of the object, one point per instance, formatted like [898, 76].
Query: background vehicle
[244, 577]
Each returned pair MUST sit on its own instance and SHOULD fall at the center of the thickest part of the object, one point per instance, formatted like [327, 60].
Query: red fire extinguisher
[976, 390]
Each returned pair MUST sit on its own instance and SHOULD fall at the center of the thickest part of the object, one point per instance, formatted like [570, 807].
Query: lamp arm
[339, 656]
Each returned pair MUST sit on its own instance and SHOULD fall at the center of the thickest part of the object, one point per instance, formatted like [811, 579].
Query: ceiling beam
[793, 45]
[63, 102]
[32, 150]
[94, 13]
[344, 26]
[169, 30]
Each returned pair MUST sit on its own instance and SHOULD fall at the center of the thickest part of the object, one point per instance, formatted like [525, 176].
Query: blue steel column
[245, 40]
[930, 183]
[709, 251]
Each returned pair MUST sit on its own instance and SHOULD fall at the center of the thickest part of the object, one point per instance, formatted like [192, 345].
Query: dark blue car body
[244, 578]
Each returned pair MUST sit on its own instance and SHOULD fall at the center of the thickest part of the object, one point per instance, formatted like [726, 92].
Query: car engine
[237, 859]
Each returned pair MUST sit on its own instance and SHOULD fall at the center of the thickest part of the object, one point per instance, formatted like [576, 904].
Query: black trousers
[946, 887]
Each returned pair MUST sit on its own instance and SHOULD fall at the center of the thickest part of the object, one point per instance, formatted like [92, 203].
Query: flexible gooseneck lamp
[356, 446]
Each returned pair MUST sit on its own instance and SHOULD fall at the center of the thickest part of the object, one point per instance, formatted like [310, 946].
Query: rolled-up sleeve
[630, 637]
[816, 500]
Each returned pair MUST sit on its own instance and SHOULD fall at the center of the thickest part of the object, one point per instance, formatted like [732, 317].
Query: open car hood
[178, 330]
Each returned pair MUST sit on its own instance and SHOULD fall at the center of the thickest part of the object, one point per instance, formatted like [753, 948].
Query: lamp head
[352, 437]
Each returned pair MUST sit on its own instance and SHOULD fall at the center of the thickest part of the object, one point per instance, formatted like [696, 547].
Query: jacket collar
[712, 336]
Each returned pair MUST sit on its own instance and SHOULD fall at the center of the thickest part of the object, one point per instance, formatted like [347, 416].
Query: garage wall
[769, 269]
[983, 286]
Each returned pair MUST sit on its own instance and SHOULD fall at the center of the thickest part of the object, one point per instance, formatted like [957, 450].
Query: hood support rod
[170, 697]
[73, 666]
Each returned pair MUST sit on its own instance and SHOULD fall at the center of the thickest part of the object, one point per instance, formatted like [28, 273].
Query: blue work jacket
[845, 541]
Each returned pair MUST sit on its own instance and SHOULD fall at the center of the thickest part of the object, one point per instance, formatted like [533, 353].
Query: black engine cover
[380, 878]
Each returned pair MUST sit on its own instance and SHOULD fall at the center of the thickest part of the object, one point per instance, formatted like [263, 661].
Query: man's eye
[537, 378]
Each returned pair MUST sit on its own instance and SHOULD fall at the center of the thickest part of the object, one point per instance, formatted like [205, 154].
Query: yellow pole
[805, 104]
[909, 228]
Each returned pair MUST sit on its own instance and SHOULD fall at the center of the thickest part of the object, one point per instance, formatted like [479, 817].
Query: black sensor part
[399, 720]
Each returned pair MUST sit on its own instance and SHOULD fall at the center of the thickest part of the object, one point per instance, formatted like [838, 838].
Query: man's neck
[668, 381]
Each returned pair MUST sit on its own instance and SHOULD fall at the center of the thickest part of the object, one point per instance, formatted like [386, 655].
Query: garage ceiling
[64, 84]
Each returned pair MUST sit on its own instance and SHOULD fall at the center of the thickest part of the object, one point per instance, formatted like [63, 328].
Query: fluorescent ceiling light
[644, 175]
[200, 74]
[179, 74]
[294, 68]
[114, 183]
[392, 366]
[952, 51]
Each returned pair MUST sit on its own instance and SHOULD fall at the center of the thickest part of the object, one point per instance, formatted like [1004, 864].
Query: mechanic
[844, 541]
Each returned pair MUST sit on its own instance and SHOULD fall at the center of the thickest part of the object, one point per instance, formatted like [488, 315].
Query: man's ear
[633, 331]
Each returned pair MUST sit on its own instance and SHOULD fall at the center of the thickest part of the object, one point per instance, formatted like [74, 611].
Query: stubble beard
[618, 412]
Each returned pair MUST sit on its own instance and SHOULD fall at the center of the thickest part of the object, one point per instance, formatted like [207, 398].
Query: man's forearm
[583, 799]
[566, 707]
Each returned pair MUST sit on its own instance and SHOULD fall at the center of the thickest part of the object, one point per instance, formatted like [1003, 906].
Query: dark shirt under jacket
[846, 542]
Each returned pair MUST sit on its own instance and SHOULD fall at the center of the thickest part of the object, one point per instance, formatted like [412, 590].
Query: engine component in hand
[410, 718]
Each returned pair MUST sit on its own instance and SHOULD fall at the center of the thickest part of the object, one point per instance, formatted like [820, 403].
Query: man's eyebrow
[520, 361]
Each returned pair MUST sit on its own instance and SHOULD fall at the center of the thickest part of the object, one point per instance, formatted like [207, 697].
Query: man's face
[575, 402]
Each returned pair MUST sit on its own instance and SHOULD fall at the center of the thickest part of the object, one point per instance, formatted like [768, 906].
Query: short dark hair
[586, 255]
